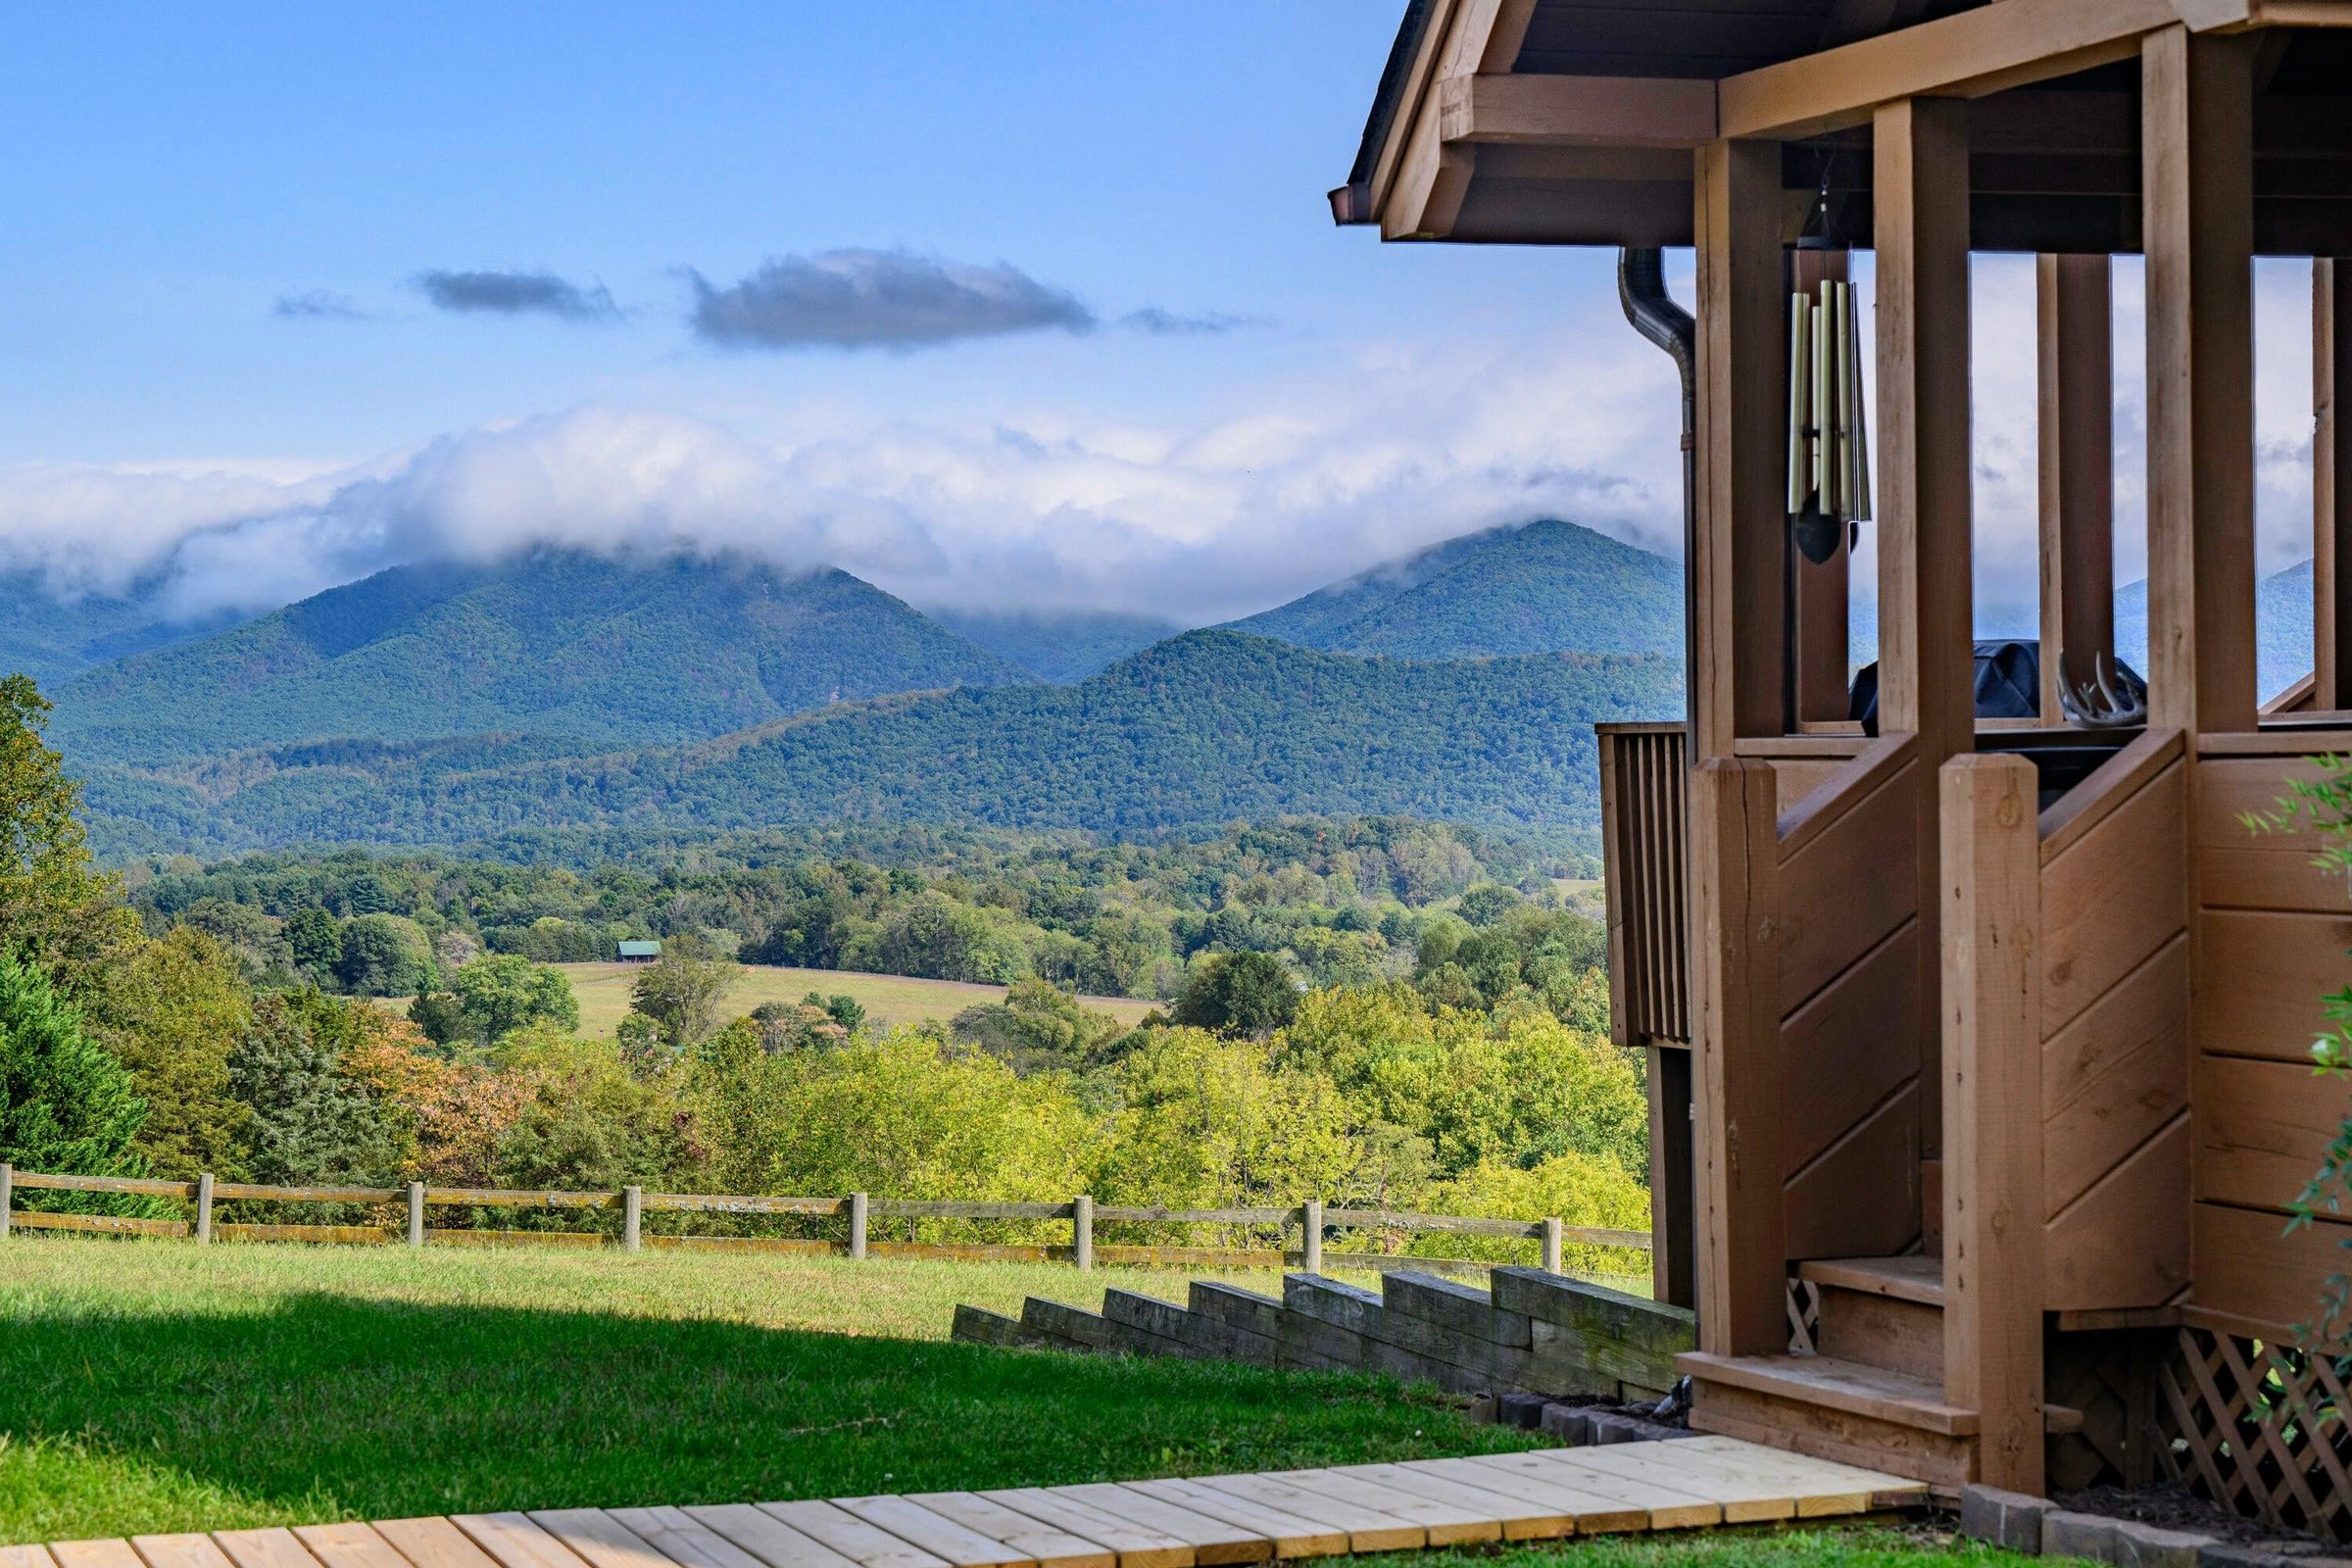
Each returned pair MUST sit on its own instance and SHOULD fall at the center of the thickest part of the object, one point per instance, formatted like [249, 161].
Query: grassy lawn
[155, 1386]
[603, 989]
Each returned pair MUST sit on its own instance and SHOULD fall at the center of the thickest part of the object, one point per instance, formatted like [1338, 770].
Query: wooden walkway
[1199, 1523]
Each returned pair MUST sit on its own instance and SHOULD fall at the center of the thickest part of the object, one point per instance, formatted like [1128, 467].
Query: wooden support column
[2331, 483]
[1993, 1112]
[1820, 640]
[1672, 1224]
[1735, 1039]
[2076, 332]
[2196, 131]
[1926, 664]
[1738, 680]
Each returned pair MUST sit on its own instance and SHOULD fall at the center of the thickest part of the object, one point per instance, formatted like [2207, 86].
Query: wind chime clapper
[1828, 449]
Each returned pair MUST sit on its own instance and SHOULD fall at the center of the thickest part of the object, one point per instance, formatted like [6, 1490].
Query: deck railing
[405, 1208]
[1644, 828]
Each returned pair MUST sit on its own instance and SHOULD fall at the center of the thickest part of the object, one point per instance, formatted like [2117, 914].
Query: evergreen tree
[169, 1011]
[64, 1104]
[56, 908]
[312, 1123]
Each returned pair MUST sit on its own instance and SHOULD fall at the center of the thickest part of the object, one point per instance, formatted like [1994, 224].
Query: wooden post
[203, 1208]
[2075, 375]
[2197, 140]
[416, 1213]
[1738, 575]
[1552, 1245]
[1821, 639]
[857, 1226]
[632, 1218]
[1926, 664]
[1082, 1230]
[2331, 484]
[8, 1191]
[1735, 1039]
[1993, 1112]
[1673, 1228]
[1310, 1236]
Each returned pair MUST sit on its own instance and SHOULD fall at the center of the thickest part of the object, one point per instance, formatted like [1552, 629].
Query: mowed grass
[155, 1386]
[603, 990]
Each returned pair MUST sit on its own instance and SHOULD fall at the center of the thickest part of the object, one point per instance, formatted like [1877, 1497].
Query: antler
[2101, 708]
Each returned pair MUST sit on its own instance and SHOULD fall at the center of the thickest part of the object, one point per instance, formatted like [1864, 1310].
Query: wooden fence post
[857, 1226]
[1082, 1229]
[1551, 1246]
[8, 1189]
[1310, 1236]
[203, 1208]
[416, 1213]
[632, 1216]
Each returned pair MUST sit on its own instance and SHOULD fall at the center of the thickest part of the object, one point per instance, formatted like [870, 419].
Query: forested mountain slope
[1548, 587]
[1206, 728]
[553, 642]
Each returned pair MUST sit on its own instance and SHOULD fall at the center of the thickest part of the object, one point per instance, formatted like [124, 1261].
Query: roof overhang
[1561, 123]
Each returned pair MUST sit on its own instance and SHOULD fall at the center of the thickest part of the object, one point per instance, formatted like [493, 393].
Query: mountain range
[446, 702]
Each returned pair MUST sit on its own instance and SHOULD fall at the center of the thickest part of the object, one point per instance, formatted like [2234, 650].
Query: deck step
[1907, 1278]
[1899, 1399]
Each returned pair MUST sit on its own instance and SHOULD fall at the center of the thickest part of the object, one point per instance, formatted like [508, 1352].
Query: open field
[603, 989]
[154, 1386]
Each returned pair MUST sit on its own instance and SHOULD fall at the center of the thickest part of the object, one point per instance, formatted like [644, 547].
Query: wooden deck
[1199, 1522]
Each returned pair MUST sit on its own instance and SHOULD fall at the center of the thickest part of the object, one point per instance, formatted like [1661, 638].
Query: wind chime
[1829, 450]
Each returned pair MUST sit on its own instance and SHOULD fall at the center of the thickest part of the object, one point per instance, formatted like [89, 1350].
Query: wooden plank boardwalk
[1202, 1522]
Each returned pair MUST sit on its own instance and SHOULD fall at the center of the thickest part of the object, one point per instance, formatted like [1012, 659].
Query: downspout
[1641, 290]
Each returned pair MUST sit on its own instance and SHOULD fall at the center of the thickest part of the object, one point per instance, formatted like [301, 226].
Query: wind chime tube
[1824, 415]
[1841, 419]
[1800, 380]
[1860, 511]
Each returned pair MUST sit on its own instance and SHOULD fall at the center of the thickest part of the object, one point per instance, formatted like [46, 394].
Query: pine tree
[64, 1104]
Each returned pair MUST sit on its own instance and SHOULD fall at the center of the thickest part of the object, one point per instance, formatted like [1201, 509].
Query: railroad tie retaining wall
[1528, 1331]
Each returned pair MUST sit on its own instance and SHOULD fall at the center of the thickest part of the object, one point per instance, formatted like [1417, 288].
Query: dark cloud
[318, 305]
[1168, 323]
[869, 299]
[518, 294]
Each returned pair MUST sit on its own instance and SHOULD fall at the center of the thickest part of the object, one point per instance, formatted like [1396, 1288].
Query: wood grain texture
[1861, 1197]
[2198, 199]
[263, 1548]
[1836, 1067]
[2075, 379]
[2260, 978]
[2250, 1268]
[1846, 889]
[1734, 970]
[2122, 1243]
[2111, 784]
[2113, 1075]
[1737, 685]
[1992, 1011]
[2242, 868]
[432, 1542]
[2262, 1128]
[2112, 898]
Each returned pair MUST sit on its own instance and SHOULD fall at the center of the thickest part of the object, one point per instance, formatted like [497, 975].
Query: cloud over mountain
[877, 299]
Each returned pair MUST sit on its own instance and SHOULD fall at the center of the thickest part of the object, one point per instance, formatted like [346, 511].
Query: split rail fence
[858, 1212]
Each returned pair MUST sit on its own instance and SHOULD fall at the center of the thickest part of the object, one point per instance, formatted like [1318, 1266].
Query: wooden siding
[1644, 825]
[2273, 933]
[2115, 997]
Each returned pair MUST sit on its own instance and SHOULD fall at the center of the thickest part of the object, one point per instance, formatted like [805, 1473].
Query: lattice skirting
[2259, 1429]
[1804, 1315]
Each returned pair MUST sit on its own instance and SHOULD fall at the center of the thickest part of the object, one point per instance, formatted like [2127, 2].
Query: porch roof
[1571, 121]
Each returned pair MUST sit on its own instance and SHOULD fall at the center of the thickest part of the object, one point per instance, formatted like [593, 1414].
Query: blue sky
[175, 172]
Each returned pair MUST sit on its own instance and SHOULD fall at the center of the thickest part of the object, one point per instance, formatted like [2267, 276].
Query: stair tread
[1857, 1389]
[1916, 1277]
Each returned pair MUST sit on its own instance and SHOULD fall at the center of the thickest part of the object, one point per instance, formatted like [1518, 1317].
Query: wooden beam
[1577, 111]
[1993, 1276]
[1968, 55]
[2331, 484]
[2197, 102]
[1417, 185]
[1672, 1234]
[1737, 582]
[1926, 664]
[1736, 1028]
[2075, 340]
[1820, 640]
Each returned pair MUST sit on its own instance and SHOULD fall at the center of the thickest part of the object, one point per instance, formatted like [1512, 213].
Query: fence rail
[1311, 1218]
